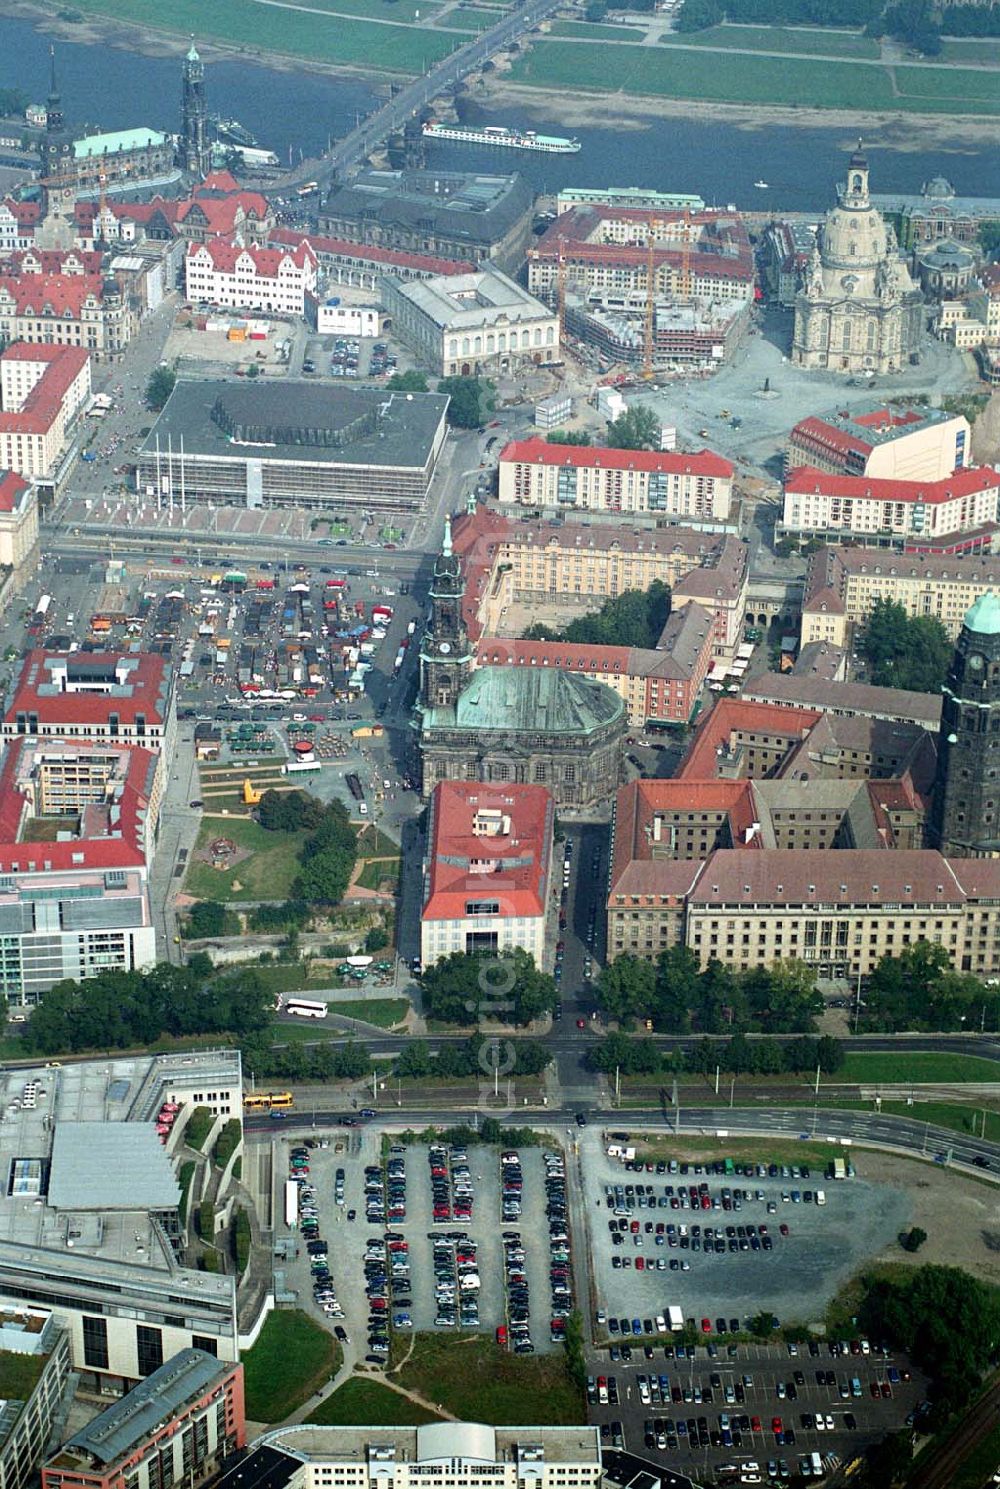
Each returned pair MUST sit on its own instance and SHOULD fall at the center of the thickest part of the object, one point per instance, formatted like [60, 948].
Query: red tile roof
[361, 252]
[538, 451]
[731, 715]
[966, 481]
[885, 418]
[12, 487]
[142, 691]
[54, 261]
[830, 437]
[64, 295]
[721, 249]
[810, 876]
[519, 861]
[267, 262]
[42, 405]
[121, 843]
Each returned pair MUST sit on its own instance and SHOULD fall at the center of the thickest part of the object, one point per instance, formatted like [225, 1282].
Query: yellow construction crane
[561, 288]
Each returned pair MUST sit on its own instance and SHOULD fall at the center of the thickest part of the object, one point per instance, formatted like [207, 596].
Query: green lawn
[267, 875]
[293, 977]
[469, 1376]
[593, 30]
[985, 51]
[402, 12]
[374, 843]
[296, 33]
[672, 73]
[467, 18]
[292, 1358]
[365, 1403]
[19, 1374]
[955, 1115]
[377, 871]
[778, 39]
[869, 1070]
[198, 1127]
[385, 1012]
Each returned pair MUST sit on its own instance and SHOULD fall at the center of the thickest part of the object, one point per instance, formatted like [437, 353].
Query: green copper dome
[984, 616]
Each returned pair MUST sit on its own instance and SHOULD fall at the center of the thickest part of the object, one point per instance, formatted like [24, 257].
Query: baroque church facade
[858, 310]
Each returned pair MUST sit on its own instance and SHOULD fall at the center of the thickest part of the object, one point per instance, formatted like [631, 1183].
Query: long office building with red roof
[487, 873]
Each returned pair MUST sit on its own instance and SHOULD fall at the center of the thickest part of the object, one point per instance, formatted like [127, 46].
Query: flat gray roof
[304, 422]
[457, 300]
[437, 1440]
[110, 1166]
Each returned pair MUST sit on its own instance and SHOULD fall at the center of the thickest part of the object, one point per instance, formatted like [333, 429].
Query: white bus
[305, 1009]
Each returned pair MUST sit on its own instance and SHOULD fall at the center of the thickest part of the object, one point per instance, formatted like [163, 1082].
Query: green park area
[810, 41]
[469, 18]
[266, 875]
[669, 72]
[984, 51]
[293, 1358]
[290, 31]
[476, 1381]
[363, 1402]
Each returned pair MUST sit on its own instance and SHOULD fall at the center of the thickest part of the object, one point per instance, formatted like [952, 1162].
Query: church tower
[445, 657]
[57, 146]
[965, 814]
[195, 152]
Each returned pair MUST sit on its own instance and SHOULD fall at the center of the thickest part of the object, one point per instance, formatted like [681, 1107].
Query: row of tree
[421, 1059]
[677, 996]
[298, 1062]
[507, 989]
[919, 990]
[634, 618]
[120, 1010]
[918, 23]
[736, 1056]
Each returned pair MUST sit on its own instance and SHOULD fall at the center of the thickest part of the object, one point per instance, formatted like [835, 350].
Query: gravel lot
[825, 1245]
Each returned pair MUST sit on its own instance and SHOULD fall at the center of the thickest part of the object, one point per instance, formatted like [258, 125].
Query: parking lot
[724, 1249]
[750, 1413]
[427, 1239]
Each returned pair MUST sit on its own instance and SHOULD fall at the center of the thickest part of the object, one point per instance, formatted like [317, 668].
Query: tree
[205, 918]
[160, 386]
[913, 1239]
[411, 381]
[464, 988]
[473, 399]
[887, 1462]
[638, 428]
[569, 436]
[676, 989]
[635, 618]
[946, 1321]
[377, 938]
[626, 988]
[904, 651]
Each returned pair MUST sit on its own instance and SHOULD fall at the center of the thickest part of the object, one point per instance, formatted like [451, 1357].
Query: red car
[706, 1326]
[783, 1229]
[581, 1023]
[777, 1425]
[755, 1424]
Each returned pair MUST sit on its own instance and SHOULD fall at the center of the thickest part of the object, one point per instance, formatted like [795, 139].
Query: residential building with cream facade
[246, 277]
[844, 583]
[508, 560]
[18, 527]
[567, 478]
[44, 390]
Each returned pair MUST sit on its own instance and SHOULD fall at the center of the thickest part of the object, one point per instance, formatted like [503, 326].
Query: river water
[297, 110]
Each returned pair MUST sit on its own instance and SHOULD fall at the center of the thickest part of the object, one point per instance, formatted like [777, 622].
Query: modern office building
[177, 1426]
[90, 1224]
[487, 870]
[125, 698]
[294, 444]
[588, 478]
[451, 1455]
[35, 1379]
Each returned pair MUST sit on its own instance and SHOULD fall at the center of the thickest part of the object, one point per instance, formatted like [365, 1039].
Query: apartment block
[568, 478]
[896, 441]
[881, 511]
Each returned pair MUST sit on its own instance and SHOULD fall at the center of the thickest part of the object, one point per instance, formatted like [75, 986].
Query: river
[293, 110]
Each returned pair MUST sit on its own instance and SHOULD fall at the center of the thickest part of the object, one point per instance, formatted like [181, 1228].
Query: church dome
[984, 616]
[938, 187]
[852, 238]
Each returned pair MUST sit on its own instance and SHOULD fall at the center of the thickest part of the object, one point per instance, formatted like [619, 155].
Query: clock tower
[445, 658]
[965, 814]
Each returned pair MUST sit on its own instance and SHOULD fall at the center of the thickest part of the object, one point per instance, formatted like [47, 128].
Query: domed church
[857, 310]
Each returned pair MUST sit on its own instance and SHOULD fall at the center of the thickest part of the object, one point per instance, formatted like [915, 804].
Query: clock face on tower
[444, 648]
[975, 662]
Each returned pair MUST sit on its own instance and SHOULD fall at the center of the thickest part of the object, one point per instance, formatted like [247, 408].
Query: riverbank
[326, 42]
[898, 132]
